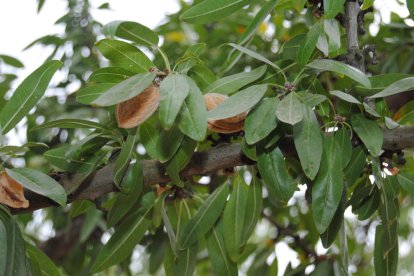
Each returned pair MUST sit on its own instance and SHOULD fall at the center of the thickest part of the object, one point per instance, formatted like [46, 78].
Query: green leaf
[367, 4]
[122, 162]
[133, 180]
[109, 29]
[355, 166]
[261, 120]
[406, 181]
[202, 75]
[173, 91]
[137, 33]
[123, 241]
[110, 75]
[328, 185]
[39, 183]
[90, 93]
[181, 159]
[125, 90]
[240, 102]
[384, 265]
[233, 217]
[254, 55]
[220, 261]
[272, 168]
[192, 118]
[404, 85]
[185, 262]
[47, 266]
[254, 210]
[124, 55]
[346, 97]
[27, 95]
[308, 143]
[331, 28]
[340, 68]
[211, 10]
[329, 236]
[345, 144]
[204, 219]
[307, 47]
[289, 110]
[332, 8]
[369, 132]
[160, 144]
[16, 258]
[232, 83]
[71, 123]
[410, 6]
[11, 61]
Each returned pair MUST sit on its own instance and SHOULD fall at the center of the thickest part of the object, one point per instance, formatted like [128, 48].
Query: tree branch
[202, 163]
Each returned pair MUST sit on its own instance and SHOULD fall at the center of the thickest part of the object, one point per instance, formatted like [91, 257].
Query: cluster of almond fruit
[135, 111]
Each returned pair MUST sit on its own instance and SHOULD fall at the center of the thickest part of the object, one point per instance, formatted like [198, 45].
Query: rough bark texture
[202, 163]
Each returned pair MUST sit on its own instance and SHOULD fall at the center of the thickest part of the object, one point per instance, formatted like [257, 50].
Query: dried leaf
[11, 192]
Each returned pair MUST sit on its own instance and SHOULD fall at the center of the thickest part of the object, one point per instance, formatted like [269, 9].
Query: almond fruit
[228, 125]
[11, 192]
[136, 110]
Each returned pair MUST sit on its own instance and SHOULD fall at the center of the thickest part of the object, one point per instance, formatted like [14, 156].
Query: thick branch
[202, 163]
[354, 56]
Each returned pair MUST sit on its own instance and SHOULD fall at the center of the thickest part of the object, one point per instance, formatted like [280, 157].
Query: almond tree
[256, 123]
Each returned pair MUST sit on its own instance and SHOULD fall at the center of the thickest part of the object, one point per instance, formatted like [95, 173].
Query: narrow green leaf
[39, 183]
[71, 123]
[410, 6]
[47, 266]
[404, 85]
[369, 132]
[211, 10]
[331, 27]
[332, 8]
[27, 95]
[205, 217]
[133, 184]
[192, 119]
[202, 75]
[254, 203]
[11, 61]
[329, 236]
[240, 102]
[406, 181]
[16, 257]
[181, 159]
[307, 47]
[233, 217]
[90, 93]
[384, 265]
[173, 91]
[186, 261]
[344, 141]
[289, 109]
[125, 90]
[254, 55]
[261, 120]
[220, 261]
[137, 33]
[328, 185]
[124, 55]
[367, 4]
[160, 144]
[123, 241]
[356, 165]
[109, 29]
[110, 75]
[232, 83]
[346, 97]
[340, 68]
[122, 162]
[308, 143]
[272, 167]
